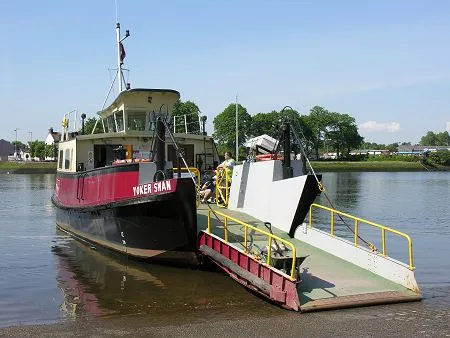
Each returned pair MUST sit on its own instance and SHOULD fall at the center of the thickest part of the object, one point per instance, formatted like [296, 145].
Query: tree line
[36, 149]
[320, 129]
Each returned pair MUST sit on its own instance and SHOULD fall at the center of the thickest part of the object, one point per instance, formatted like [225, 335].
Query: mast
[119, 73]
[120, 56]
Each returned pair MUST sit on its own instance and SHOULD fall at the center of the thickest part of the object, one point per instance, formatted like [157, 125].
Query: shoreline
[319, 166]
[27, 167]
[380, 166]
[426, 318]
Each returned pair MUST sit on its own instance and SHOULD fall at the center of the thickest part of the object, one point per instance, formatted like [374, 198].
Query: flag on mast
[122, 52]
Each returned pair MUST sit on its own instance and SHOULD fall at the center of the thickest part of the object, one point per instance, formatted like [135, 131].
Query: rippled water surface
[47, 277]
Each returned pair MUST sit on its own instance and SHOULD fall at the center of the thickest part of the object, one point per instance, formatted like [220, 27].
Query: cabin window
[151, 121]
[136, 120]
[111, 124]
[60, 159]
[119, 120]
[67, 159]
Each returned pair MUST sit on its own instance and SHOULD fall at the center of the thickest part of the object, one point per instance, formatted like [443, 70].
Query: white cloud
[371, 126]
[448, 126]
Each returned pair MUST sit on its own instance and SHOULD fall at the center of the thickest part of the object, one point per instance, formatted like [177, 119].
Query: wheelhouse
[128, 135]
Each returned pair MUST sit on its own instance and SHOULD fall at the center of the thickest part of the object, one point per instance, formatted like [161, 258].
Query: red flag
[122, 52]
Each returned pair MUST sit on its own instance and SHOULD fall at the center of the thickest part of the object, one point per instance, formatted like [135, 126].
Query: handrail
[270, 236]
[223, 181]
[356, 227]
[196, 172]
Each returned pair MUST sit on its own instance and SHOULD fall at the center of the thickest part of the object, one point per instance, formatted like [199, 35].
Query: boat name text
[153, 188]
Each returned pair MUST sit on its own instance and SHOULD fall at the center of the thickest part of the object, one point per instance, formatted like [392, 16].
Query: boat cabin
[129, 133]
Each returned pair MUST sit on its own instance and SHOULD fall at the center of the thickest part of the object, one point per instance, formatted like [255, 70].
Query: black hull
[160, 228]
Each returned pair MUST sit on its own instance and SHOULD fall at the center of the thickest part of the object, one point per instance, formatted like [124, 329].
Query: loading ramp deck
[327, 281]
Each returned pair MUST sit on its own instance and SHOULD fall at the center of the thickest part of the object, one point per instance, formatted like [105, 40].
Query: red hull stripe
[88, 191]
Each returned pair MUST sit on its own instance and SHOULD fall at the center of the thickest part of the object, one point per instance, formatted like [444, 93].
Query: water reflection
[95, 282]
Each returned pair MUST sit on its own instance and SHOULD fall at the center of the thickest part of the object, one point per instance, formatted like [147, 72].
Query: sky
[386, 62]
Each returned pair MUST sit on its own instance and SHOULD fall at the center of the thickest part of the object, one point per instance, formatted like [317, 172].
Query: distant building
[374, 152]
[22, 155]
[6, 149]
[329, 156]
[419, 149]
[53, 138]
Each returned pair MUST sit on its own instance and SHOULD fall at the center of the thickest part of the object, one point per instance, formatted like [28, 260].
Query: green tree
[299, 123]
[265, 123]
[89, 126]
[50, 150]
[372, 145]
[186, 111]
[369, 145]
[429, 139]
[443, 139]
[392, 147]
[342, 134]
[38, 149]
[318, 120]
[441, 157]
[225, 126]
[305, 133]
[32, 148]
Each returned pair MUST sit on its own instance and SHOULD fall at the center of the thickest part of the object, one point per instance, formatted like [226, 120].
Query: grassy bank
[319, 166]
[27, 167]
[330, 166]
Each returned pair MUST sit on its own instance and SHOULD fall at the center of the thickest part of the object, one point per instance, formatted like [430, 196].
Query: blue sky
[386, 63]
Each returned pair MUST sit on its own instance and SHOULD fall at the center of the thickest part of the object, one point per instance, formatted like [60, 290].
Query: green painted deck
[326, 280]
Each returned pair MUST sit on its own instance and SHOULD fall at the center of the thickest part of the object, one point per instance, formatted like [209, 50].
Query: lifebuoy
[268, 157]
[136, 160]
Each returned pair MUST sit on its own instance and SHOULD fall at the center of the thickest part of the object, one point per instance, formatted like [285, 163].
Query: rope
[179, 152]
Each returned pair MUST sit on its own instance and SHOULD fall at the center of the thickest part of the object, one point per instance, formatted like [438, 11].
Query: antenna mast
[120, 57]
[119, 72]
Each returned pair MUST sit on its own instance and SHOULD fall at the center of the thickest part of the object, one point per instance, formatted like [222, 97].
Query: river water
[47, 277]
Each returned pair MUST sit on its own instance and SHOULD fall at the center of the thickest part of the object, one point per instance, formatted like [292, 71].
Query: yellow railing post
[294, 262]
[356, 232]
[245, 238]
[226, 229]
[411, 266]
[269, 250]
[209, 221]
[383, 241]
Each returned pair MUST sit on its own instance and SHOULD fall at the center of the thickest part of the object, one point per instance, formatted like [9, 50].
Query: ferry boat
[119, 188]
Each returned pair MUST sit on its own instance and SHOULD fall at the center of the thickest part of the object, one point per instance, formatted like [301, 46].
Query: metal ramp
[329, 282]
[325, 281]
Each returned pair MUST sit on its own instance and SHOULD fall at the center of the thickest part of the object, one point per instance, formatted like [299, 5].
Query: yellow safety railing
[270, 238]
[196, 172]
[223, 180]
[358, 220]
